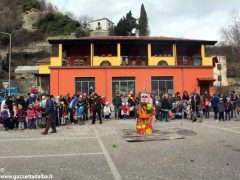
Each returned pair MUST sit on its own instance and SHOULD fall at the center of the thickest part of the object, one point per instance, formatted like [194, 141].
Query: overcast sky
[197, 19]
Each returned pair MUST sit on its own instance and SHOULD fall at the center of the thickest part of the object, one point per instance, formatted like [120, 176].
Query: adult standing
[185, 96]
[72, 106]
[233, 98]
[165, 107]
[49, 111]
[215, 101]
[97, 108]
[117, 102]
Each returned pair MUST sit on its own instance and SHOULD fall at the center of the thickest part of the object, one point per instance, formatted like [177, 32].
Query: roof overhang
[27, 70]
[130, 39]
[206, 79]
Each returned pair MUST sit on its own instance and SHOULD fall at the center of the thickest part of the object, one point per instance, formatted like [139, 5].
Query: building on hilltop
[101, 27]
[114, 64]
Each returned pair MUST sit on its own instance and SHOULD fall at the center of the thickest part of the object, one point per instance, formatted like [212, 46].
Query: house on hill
[101, 27]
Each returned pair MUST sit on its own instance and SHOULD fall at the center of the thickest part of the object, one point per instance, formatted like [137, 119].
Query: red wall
[62, 80]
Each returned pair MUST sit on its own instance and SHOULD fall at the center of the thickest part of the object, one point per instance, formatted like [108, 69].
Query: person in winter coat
[63, 112]
[72, 107]
[5, 114]
[49, 112]
[80, 112]
[158, 110]
[14, 116]
[165, 107]
[117, 102]
[107, 111]
[97, 108]
[21, 115]
[215, 101]
[125, 110]
[38, 112]
[185, 96]
[221, 110]
[31, 116]
[228, 108]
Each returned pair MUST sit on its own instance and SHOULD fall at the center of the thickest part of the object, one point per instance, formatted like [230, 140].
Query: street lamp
[9, 59]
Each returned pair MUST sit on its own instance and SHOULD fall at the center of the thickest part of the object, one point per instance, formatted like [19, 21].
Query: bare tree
[85, 21]
[10, 15]
[231, 36]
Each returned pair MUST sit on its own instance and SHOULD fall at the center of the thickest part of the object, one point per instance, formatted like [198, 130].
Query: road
[99, 152]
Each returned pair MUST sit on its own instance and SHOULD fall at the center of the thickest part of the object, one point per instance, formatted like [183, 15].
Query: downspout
[105, 84]
[58, 82]
[182, 79]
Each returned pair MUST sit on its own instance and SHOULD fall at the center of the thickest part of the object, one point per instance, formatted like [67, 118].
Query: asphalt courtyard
[99, 152]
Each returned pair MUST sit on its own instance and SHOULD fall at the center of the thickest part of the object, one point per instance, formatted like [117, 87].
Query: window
[123, 85]
[83, 84]
[197, 60]
[55, 50]
[99, 23]
[162, 84]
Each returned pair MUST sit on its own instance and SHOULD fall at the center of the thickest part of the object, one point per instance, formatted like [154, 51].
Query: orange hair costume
[146, 114]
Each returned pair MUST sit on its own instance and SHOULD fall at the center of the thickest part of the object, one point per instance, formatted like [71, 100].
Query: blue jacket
[74, 103]
[215, 102]
[49, 108]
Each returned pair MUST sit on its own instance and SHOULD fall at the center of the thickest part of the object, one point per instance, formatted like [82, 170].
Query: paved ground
[89, 152]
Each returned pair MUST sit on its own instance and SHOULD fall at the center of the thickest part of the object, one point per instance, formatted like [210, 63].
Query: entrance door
[204, 87]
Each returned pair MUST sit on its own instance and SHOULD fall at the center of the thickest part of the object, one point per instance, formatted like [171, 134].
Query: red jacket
[31, 114]
[34, 91]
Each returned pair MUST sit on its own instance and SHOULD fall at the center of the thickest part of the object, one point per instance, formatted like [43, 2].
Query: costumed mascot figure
[146, 115]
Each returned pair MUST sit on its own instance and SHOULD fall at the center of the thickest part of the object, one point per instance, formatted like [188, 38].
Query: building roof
[27, 70]
[43, 61]
[102, 19]
[132, 38]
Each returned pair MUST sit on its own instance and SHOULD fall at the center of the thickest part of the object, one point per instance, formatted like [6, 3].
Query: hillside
[33, 21]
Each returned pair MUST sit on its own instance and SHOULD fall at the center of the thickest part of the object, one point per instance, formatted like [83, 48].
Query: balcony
[76, 61]
[189, 60]
[134, 61]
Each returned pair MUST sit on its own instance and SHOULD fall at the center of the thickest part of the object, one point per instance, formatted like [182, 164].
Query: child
[31, 115]
[62, 113]
[207, 105]
[80, 111]
[158, 111]
[228, 108]
[21, 117]
[38, 112]
[6, 117]
[221, 109]
[124, 110]
[14, 116]
[107, 111]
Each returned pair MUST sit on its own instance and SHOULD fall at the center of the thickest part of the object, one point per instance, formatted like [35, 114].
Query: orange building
[122, 64]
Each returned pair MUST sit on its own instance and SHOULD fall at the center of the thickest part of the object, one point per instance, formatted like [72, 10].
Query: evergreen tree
[143, 22]
[125, 25]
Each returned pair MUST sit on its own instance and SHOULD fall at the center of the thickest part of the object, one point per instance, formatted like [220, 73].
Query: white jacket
[3, 103]
[106, 110]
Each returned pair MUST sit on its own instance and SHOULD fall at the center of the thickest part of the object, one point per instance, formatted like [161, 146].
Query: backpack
[5, 114]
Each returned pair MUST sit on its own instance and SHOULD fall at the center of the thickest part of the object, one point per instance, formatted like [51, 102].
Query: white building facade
[217, 71]
[103, 24]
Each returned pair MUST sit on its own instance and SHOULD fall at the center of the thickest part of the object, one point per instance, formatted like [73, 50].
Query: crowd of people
[44, 111]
